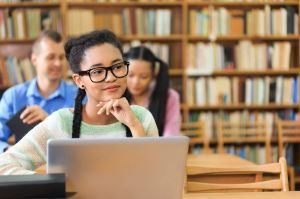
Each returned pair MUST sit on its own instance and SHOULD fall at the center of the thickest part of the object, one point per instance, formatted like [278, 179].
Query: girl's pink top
[172, 119]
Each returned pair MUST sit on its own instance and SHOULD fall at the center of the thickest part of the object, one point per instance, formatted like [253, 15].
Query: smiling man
[44, 94]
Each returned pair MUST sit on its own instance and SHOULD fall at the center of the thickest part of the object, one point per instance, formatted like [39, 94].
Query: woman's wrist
[136, 128]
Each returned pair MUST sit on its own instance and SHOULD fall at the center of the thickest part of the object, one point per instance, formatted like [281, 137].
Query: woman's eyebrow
[117, 61]
[97, 65]
[101, 65]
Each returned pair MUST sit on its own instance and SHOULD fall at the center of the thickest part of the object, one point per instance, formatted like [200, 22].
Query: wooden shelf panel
[245, 37]
[16, 41]
[270, 72]
[175, 72]
[165, 39]
[242, 5]
[214, 141]
[243, 106]
[123, 4]
[258, 73]
[31, 5]
[151, 38]
[4, 87]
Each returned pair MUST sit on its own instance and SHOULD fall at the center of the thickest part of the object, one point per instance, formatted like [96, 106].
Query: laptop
[127, 168]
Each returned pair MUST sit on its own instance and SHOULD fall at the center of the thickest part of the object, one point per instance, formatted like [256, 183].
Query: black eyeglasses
[99, 74]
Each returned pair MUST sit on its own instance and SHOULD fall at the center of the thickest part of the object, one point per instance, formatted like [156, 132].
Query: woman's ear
[78, 81]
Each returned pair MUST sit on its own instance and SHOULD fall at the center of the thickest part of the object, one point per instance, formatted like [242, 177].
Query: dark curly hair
[75, 50]
[159, 96]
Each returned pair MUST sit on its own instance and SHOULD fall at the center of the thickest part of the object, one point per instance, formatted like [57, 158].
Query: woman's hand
[121, 110]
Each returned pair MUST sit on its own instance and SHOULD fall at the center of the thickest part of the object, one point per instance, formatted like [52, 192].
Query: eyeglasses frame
[110, 68]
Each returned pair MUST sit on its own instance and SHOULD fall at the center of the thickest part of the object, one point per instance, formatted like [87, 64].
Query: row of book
[27, 23]
[256, 22]
[254, 153]
[126, 21]
[116, 1]
[167, 52]
[20, 1]
[250, 91]
[161, 50]
[14, 71]
[247, 1]
[257, 153]
[210, 119]
[246, 55]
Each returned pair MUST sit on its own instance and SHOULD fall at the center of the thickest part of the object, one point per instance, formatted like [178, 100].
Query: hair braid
[78, 113]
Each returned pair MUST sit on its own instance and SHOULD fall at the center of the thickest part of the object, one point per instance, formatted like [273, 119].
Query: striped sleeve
[30, 152]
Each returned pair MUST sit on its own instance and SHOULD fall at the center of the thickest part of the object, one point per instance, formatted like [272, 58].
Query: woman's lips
[111, 88]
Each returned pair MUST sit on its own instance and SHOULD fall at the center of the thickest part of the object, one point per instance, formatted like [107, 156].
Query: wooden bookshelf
[30, 5]
[151, 38]
[254, 38]
[290, 72]
[243, 107]
[16, 41]
[18, 32]
[175, 72]
[123, 4]
[239, 11]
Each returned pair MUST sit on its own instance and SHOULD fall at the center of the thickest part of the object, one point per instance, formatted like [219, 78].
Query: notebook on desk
[127, 168]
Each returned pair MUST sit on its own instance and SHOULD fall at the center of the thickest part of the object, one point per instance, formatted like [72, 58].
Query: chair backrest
[278, 169]
[229, 132]
[288, 132]
[196, 132]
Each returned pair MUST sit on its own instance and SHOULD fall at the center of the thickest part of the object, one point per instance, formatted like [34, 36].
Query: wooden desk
[41, 170]
[244, 195]
[221, 160]
[218, 160]
[209, 160]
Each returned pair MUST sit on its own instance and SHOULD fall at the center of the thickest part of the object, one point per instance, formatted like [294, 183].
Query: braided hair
[75, 50]
[159, 96]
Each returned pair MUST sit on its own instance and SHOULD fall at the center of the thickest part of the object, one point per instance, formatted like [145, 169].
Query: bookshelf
[238, 30]
[242, 26]
[226, 27]
[20, 23]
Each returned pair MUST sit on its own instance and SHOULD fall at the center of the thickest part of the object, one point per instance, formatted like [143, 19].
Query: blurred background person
[42, 95]
[148, 86]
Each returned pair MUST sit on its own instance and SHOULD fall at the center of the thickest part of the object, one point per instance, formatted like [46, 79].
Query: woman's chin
[110, 97]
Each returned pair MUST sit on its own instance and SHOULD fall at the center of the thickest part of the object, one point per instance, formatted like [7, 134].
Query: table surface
[244, 195]
[218, 160]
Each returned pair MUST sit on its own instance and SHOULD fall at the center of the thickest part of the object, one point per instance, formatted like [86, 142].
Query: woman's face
[104, 55]
[139, 77]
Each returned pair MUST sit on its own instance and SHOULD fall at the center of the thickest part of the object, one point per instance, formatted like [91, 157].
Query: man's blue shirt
[27, 94]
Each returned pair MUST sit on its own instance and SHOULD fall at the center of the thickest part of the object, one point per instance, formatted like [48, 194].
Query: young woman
[100, 71]
[148, 86]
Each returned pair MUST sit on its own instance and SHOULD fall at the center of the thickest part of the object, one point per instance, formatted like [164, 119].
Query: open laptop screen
[125, 168]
